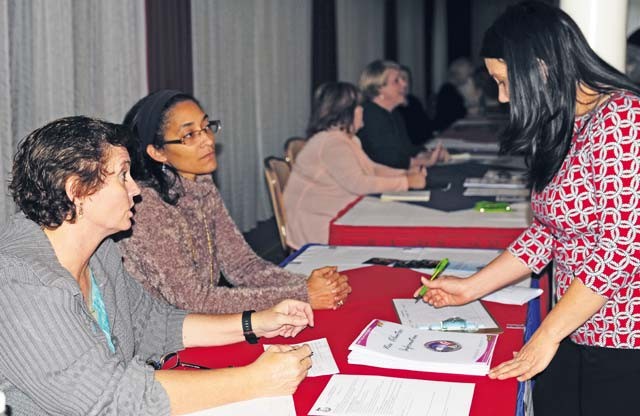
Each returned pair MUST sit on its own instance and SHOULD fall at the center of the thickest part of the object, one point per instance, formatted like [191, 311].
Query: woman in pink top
[332, 169]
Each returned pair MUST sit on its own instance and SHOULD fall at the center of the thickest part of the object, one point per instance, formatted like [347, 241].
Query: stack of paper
[390, 345]
[406, 196]
[503, 179]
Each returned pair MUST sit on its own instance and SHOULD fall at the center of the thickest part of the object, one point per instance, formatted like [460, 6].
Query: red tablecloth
[373, 289]
[432, 236]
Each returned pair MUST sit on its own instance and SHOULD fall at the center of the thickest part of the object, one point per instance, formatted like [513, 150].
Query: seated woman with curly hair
[76, 329]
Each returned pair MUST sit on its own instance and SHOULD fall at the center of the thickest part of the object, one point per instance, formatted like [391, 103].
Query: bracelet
[247, 330]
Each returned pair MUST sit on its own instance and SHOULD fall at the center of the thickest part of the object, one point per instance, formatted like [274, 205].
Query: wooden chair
[292, 147]
[276, 172]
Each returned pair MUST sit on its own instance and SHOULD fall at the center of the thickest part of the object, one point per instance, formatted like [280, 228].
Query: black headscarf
[149, 115]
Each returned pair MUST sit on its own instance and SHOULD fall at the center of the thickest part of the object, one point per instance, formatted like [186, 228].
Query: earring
[164, 168]
[79, 210]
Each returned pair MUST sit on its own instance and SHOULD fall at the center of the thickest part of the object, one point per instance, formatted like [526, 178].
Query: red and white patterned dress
[587, 220]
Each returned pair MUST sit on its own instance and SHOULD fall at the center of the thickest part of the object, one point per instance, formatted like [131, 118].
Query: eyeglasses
[172, 360]
[191, 138]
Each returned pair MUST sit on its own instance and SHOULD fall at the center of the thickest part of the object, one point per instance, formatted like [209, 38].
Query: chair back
[276, 172]
[292, 147]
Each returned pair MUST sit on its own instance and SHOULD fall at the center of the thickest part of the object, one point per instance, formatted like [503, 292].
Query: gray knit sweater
[54, 359]
[177, 253]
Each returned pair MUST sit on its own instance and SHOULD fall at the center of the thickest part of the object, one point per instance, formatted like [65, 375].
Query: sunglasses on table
[172, 360]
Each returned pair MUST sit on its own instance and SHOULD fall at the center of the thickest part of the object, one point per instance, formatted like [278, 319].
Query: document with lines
[352, 395]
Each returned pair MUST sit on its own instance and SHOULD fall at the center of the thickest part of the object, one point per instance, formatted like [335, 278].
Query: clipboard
[420, 315]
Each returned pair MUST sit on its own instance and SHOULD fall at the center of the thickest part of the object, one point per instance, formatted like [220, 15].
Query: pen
[442, 264]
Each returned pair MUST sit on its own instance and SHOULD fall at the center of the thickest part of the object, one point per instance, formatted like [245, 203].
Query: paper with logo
[352, 395]
[391, 345]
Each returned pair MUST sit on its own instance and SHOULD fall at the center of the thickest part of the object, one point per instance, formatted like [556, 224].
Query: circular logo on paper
[443, 345]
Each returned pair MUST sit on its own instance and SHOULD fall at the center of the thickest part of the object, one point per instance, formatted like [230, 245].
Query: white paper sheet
[463, 262]
[421, 315]
[272, 406]
[499, 179]
[352, 395]
[406, 196]
[501, 192]
[322, 359]
[370, 211]
[514, 295]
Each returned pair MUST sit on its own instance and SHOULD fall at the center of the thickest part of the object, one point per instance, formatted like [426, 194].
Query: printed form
[353, 395]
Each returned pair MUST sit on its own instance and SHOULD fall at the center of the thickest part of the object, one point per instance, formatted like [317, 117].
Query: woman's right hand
[417, 178]
[446, 291]
[280, 369]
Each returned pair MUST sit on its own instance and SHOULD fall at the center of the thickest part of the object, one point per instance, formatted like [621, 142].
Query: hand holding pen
[442, 264]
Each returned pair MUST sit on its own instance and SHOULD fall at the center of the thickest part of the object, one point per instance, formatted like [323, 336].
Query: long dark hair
[163, 178]
[333, 106]
[547, 57]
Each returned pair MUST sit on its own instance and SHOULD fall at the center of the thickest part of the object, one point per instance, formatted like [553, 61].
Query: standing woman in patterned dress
[577, 119]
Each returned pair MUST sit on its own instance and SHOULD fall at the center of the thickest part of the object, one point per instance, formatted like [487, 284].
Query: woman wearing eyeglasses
[76, 329]
[183, 237]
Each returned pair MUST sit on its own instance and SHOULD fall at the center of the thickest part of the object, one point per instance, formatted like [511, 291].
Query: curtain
[169, 48]
[252, 70]
[60, 58]
[411, 43]
[633, 16]
[439, 43]
[458, 29]
[360, 36]
[324, 60]
[6, 137]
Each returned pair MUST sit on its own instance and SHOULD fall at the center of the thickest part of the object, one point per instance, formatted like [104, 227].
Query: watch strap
[247, 330]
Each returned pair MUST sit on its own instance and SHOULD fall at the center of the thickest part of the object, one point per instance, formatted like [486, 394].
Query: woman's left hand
[286, 319]
[327, 288]
[532, 359]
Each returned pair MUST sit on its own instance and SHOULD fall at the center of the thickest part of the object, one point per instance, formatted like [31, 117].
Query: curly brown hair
[72, 146]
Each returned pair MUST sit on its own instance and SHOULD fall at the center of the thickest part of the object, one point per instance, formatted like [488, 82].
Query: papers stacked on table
[390, 345]
[422, 196]
[505, 185]
[351, 395]
[502, 179]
